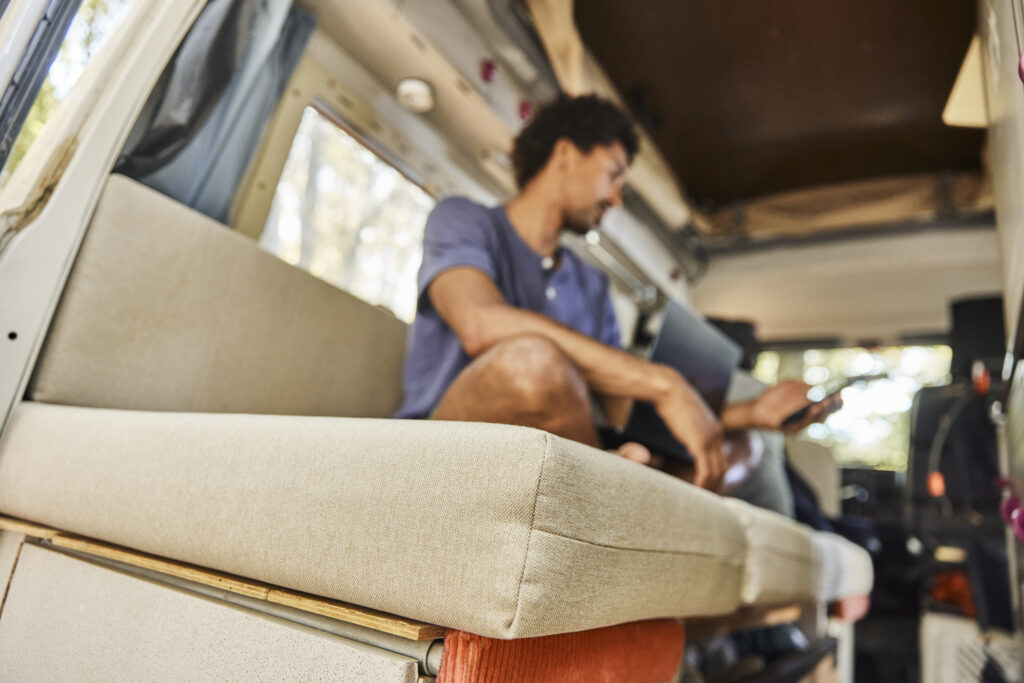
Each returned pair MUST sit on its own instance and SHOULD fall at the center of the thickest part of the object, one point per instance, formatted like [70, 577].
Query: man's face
[592, 184]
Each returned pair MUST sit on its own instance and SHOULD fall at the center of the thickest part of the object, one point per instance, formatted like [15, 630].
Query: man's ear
[564, 152]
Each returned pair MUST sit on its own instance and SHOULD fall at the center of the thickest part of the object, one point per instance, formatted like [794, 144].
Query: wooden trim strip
[180, 570]
[27, 528]
[352, 614]
[378, 621]
[743, 620]
[702, 627]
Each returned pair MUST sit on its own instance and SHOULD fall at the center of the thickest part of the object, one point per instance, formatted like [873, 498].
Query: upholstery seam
[789, 554]
[529, 538]
[608, 546]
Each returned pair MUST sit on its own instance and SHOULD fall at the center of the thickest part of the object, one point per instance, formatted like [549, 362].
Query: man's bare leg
[528, 381]
[525, 381]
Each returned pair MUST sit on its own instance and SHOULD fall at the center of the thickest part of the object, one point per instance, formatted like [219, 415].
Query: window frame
[27, 79]
[333, 118]
[332, 82]
[49, 199]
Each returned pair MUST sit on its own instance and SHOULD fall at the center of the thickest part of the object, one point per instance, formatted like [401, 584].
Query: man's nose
[616, 197]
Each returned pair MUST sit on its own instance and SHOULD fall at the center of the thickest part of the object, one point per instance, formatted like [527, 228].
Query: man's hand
[695, 426]
[771, 408]
[635, 452]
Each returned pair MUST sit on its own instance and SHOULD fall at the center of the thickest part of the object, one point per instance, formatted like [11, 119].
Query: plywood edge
[361, 616]
[352, 614]
[206, 577]
[27, 528]
[742, 620]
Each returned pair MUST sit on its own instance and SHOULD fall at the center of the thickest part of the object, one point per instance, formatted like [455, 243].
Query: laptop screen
[702, 354]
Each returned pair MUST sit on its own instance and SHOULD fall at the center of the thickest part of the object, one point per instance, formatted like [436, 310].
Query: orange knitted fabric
[640, 652]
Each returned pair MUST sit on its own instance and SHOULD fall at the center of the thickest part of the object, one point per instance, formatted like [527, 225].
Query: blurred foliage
[873, 428]
[348, 217]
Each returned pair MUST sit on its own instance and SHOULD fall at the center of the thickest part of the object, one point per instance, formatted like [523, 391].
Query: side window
[92, 24]
[343, 214]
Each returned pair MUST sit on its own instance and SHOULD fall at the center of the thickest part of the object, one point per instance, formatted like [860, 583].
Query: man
[512, 328]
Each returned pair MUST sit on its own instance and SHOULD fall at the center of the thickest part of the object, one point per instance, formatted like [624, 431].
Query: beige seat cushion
[782, 565]
[845, 571]
[166, 309]
[497, 530]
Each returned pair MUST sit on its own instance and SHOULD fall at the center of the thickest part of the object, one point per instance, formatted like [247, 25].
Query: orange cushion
[639, 652]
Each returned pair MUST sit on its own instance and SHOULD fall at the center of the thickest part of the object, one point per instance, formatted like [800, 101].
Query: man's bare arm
[469, 301]
[474, 308]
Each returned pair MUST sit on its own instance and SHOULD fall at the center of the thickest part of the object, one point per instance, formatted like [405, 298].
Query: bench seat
[502, 531]
[201, 400]
[845, 571]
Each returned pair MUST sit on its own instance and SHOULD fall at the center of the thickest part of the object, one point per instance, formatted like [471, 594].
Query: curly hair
[587, 121]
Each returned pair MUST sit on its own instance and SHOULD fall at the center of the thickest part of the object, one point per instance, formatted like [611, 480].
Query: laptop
[702, 354]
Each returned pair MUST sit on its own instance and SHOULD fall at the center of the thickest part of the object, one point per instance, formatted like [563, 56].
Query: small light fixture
[525, 110]
[415, 94]
[488, 70]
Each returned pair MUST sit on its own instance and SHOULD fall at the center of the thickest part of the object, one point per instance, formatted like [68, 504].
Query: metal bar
[427, 652]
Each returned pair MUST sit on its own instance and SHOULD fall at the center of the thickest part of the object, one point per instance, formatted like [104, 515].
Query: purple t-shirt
[460, 232]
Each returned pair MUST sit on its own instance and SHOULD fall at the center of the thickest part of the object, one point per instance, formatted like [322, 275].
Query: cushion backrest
[166, 309]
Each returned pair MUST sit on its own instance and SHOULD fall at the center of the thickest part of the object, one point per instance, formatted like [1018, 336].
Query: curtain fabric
[200, 127]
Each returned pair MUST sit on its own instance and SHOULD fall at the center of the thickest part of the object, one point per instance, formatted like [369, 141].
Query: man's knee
[536, 369]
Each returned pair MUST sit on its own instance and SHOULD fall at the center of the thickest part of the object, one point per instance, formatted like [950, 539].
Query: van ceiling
[747, 99]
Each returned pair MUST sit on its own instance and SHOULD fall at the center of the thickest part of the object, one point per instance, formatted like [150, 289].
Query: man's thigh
[523, 381]
[477, 394]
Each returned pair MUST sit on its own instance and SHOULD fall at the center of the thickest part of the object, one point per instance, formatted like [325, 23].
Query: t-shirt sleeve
[610, 333]
[455, 235]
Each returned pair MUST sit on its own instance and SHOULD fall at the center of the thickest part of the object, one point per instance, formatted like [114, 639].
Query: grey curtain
[203, 121]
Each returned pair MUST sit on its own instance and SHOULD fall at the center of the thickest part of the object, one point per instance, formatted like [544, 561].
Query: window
[346, 216]
[94, 22]
[873, 428]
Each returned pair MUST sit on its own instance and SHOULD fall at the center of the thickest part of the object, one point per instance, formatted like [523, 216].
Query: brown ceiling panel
[751, 97]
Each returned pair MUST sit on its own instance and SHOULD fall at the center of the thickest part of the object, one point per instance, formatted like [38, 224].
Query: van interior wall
[1001, 26]
[349, 72]
[335, 83]
[1000, 29]
[640, 244]
[879, 288]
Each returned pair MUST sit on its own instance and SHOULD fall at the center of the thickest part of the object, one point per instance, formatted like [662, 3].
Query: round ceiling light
[415, 94]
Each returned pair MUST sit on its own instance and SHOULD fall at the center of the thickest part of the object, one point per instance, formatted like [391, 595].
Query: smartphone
[829, 393]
